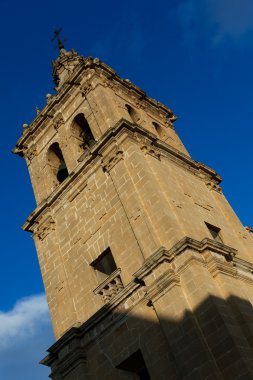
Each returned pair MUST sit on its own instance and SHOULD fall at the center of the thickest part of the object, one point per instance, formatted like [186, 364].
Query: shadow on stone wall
[213, 342]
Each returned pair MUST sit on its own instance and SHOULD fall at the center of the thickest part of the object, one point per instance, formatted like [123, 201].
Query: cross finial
[56, 37]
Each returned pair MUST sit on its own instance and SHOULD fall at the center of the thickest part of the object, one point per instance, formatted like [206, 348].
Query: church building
[148, 271]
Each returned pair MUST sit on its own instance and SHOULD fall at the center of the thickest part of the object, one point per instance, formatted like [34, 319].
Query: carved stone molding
[74, 193]
[216, 267]
[107, 82]
[109, 158]
[151, 151]
[213, 186]
[157, 276]
[86, 88]
[45, 228]
[111, 286]
[58, 123]
[31, 152]
[112, 159]
[168, 122]
[140, 105]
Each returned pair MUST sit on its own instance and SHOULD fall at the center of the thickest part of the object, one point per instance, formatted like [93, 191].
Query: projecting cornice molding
[108, 151]
[214, 256]
[79, 78]
[30, 153]
[44, 228]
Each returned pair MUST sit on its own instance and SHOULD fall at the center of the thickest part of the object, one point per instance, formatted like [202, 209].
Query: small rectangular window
[104, 265]
[215, 232]
[135, 364]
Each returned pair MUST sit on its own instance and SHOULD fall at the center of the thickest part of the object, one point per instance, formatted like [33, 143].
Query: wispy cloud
[219, 19]
[23, 320]
[25, 334]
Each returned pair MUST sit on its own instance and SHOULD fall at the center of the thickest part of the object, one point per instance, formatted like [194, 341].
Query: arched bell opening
[158, 129]
[81, 131]
[133, 114]
[57, 162]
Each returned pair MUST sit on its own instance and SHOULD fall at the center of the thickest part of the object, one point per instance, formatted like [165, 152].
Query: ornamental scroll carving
[45, 228]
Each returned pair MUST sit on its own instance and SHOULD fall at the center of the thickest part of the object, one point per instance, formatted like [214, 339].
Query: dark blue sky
[195, 56]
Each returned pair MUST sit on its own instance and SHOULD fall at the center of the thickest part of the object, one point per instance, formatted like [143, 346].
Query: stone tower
[148, 271]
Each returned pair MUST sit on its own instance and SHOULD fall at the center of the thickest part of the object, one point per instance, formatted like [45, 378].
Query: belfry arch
[81, 133]
[59, 170]
[134, 115]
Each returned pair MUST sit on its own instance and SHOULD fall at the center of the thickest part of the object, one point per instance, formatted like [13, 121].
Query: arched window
[57, 162]
[133, 113]
[81, 131]
[158, 128]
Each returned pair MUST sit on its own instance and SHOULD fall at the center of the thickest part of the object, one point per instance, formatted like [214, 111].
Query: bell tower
[147, 269]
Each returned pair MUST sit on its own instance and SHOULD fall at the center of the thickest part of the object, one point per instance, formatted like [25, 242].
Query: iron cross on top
[56, 37]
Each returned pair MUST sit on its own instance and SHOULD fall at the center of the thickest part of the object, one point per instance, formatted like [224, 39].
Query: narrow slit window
[104, 265]
[135, 364]
[214, 232]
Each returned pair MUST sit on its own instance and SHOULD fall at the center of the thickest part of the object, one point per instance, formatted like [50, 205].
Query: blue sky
[195, 56]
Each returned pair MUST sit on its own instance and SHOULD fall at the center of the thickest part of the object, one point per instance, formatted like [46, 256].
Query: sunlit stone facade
[147, 270]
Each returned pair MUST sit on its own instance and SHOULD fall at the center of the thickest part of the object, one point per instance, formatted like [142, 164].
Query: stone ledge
[151, 293]
[111, 286]
[75, 79]
[104, 151]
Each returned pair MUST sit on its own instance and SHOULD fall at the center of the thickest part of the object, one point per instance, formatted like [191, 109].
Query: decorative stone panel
[112, 159]
[31, 152]
[110, 287]
[213, 186]
[58, 123]
[45, 228]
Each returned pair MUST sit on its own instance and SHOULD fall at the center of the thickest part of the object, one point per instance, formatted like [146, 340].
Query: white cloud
[25, 334]
[23, 320]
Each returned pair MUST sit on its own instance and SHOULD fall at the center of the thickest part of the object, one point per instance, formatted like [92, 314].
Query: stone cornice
[50, 110]
[181, 246]
[105, 282]
[137, 291]
[68, 362]
[107, 152]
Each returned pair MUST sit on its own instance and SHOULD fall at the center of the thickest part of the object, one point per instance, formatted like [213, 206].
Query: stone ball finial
[25, 126]
[48, 97]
